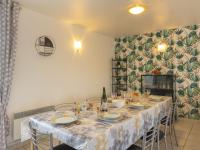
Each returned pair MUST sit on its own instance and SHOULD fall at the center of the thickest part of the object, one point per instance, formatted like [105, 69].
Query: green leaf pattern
[181, 58]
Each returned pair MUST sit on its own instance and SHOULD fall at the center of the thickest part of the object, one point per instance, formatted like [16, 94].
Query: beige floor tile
[197, 122]
[183, 128]
[191, 147]
[194, 137]
[27, 147]
[195, 132]
[181, 138]
[196, 127]
[184, 124]
[193, 142]
[169, 146]
[16, 147]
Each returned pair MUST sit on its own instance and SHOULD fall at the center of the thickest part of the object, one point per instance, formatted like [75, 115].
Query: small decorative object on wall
[156, 71]
[45, 46]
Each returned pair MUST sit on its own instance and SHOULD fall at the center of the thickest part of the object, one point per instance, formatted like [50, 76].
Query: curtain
[9, 14]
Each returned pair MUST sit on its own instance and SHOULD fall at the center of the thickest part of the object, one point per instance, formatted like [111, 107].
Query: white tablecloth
[93, 135]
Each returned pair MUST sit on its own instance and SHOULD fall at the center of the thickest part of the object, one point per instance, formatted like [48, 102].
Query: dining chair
[173, 114]
[171, 120]
[37, 144]
[164, 119]
[167, 120]
[148, 138]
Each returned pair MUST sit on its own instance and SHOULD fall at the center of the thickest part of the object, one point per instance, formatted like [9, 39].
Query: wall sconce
[77, 46]
[162, 47]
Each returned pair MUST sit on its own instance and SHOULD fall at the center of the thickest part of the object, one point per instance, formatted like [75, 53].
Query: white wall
[41, 81]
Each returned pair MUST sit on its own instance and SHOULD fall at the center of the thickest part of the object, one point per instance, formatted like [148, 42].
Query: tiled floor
[188, 135]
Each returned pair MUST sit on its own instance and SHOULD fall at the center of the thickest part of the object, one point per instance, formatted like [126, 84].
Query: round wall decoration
[45, 46]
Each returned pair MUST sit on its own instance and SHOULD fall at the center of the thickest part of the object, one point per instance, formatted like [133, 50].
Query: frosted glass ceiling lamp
[137, 9]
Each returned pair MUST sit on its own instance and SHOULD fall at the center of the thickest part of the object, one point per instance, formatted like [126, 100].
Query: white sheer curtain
[9, 14]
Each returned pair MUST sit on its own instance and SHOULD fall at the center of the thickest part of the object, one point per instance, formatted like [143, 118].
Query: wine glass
[148, 92]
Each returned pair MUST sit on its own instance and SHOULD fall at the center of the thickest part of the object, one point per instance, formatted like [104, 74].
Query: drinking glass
[84, 106]
[148, 91]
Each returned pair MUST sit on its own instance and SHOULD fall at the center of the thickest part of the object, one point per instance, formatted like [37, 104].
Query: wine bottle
[104, 106]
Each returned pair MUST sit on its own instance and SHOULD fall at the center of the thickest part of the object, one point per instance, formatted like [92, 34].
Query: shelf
[119, 75]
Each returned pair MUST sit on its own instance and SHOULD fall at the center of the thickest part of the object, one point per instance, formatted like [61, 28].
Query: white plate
[65, 120]
[110, 120]
[136, 105]
[111, 116]
[68, 113]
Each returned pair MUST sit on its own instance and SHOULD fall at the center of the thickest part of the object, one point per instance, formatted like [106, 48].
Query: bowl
[118, 103]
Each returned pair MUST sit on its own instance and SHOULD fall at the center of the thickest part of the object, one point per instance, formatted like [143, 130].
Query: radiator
[21, 116]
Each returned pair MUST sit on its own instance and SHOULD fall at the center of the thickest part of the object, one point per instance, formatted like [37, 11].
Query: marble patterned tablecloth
[94, 135]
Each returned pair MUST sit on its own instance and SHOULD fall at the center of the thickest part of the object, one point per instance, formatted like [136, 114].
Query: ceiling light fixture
[137, 9]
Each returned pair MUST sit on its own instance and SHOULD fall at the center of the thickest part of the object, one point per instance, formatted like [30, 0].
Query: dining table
[92, 133]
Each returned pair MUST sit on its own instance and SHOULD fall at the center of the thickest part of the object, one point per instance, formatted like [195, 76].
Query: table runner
[94, 135]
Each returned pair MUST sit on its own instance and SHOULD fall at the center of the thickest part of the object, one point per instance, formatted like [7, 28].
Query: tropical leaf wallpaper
[181, 58]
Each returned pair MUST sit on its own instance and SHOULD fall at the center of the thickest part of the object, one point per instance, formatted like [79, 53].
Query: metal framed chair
[164, 119]
[167, 120]
[148, 137]
[170, 122]
[39, 145]
[173, 119]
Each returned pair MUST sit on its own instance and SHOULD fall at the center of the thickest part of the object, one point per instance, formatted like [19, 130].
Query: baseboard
[17, 144]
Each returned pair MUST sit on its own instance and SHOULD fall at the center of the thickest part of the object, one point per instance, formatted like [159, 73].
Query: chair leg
[175, 135]
[170, 135]
[165, 136]
[158, 142]
[59, 142]
[31, 146]
[51, 142]
[166, 143]
[35, 146]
